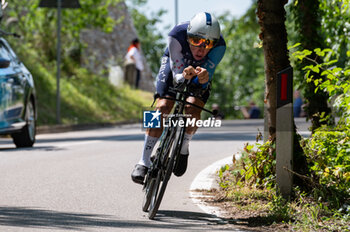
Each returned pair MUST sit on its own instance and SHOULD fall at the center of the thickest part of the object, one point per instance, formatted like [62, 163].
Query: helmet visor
[198, 41]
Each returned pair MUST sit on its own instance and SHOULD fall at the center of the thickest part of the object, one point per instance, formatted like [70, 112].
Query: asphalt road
[80, 181]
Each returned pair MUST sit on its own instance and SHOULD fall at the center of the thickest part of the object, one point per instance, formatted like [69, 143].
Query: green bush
[328, 154]
[256, 166]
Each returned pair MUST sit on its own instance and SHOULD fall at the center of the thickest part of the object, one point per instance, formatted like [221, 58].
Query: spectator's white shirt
[134, 52]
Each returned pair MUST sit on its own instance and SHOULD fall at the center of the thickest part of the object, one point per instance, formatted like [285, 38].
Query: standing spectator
[254, 111]
[217, 112]
[297, 104]
[133, 63]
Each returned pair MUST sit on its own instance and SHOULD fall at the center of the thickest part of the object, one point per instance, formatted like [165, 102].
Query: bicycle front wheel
[165, 173]
[151, 184]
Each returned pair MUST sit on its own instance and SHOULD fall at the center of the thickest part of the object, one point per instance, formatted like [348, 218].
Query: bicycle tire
[151, 177]
[161, 182]
[149, 187]
[158, 196]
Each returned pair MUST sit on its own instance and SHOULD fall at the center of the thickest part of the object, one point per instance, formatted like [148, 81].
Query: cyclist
[194, 50]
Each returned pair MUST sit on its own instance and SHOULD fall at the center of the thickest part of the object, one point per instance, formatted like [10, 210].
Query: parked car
[17, 98]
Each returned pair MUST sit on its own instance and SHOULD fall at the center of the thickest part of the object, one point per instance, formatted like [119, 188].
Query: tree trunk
[271, 14]
[309, 26]
[273, 34]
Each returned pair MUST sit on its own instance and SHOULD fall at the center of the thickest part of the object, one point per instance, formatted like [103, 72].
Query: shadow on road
[258, 223]
[36, 148]
[48, 219]
[165, 215]
[227, 136]
[141, 137]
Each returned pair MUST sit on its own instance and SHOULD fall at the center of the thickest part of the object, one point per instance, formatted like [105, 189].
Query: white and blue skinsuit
[178, 56]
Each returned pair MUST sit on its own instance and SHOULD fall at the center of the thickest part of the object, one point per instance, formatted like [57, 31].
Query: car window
[5, 53]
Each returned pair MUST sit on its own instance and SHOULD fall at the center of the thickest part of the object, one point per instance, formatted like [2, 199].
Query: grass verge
[257, 206]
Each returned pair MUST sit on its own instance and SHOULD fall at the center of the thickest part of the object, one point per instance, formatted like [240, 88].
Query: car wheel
[26, 137]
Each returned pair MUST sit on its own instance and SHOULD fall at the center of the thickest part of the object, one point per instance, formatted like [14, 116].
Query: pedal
[153, 173]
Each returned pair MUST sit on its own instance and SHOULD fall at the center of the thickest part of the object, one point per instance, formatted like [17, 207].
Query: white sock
[148, 146]
[186, 143]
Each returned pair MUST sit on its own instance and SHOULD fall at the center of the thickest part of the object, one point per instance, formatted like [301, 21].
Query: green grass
[85, 98]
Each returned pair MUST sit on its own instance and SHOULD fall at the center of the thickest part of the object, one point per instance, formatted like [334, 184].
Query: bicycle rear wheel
[165, 172]
[148, 188]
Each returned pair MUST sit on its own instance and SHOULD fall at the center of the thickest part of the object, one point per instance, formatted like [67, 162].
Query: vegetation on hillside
[85, 97]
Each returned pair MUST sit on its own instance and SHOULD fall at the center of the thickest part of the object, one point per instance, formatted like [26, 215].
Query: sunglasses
[199, 41]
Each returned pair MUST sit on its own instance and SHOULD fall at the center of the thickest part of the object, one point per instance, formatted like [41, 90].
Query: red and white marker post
[284, 132]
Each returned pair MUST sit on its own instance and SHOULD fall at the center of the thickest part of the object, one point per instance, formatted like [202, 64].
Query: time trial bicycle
[162, 163]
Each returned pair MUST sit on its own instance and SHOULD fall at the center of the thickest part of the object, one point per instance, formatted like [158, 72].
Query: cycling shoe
[138, 174]
[180, 165]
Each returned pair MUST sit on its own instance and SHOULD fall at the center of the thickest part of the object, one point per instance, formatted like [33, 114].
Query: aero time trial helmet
[204, 25]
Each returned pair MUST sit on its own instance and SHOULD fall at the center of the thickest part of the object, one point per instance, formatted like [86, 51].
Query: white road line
[205, 181]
